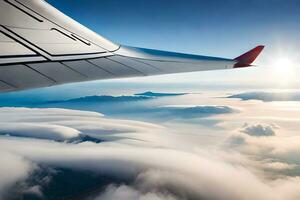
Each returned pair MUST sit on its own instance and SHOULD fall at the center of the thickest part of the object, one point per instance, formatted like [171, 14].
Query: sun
[283, 65]
[282, 70]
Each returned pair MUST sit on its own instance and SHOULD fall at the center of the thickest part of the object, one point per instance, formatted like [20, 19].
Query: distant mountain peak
[158, 94]
[103, 99]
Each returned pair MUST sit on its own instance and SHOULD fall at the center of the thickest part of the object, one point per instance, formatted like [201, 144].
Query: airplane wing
[40, 47]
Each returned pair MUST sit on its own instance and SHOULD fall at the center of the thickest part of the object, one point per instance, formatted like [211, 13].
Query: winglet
[247, 58]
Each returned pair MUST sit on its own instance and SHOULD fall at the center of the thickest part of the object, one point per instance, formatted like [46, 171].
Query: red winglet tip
[247, 58]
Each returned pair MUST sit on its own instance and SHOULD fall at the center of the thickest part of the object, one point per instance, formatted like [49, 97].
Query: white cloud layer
[163, 166]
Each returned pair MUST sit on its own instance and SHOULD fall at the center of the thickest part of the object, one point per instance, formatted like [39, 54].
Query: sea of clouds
[257, 156]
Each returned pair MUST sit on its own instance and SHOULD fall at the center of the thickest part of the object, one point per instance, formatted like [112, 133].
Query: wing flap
[141, 66]
[57, 72]
[91, 71]
[22, 77]
[118, 70]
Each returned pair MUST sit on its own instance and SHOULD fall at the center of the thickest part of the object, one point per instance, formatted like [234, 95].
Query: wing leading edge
[40, 47]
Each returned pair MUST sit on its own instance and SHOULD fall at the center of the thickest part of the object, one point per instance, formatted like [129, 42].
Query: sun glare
[283, 65]
[282, 70]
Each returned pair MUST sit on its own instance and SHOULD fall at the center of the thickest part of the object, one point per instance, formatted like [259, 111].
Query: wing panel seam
[101, 68]
[73, 70]
[24, 11]
[127, 67]
[44, 75]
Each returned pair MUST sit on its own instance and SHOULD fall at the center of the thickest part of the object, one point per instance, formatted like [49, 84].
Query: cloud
[153, 162]
[276, 153]
[258, 130]
[180, 173]
[13, 168]
[125, 192]
[41, 131]
[63, 124]
[275, 165]
[268, 96]
[282, 148]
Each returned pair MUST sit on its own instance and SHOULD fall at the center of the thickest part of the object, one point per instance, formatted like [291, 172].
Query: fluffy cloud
[183, 174]
[13, 168]
[153, 162]
[259, 130]
[274, 152]
[278, 147]
[41, 131]
[62, 124]
[125, 192]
